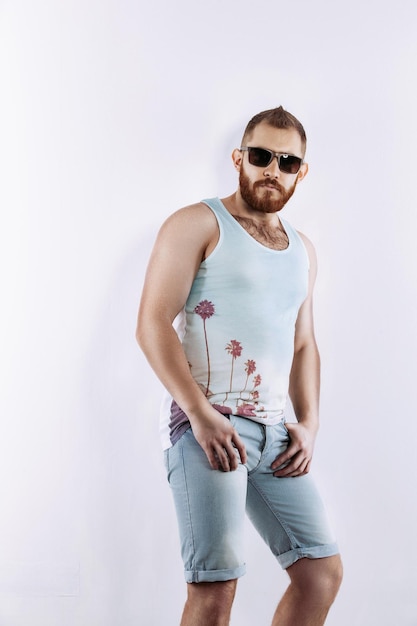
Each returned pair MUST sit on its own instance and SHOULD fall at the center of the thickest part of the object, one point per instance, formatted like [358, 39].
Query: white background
[113, 114]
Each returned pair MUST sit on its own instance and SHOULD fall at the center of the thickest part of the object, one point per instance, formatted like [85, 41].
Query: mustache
[271, 182]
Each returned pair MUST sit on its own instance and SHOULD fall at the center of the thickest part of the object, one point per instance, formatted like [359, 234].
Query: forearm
[163, 350]
[212, 430]
[304, 386]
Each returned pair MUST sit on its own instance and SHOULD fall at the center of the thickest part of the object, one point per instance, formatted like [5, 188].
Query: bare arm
[304, 386]
[182, 243]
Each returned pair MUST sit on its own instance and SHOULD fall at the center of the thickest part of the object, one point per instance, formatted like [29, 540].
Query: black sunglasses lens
[259, 157]
[289, 164]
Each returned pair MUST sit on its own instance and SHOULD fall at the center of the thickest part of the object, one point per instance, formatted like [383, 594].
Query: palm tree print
[234, 348]
[205, 309]
[256, 382]
[250, 368]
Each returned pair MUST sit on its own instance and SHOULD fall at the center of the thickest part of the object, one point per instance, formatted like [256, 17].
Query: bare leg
[209, 604]
[313, 588]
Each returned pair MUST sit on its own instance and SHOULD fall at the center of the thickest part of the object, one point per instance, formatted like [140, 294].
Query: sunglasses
[260, 157]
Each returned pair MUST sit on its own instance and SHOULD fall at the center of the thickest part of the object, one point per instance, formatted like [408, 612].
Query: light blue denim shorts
[288, 513]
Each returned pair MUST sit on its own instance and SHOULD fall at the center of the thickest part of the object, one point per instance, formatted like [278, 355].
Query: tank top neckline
[241, 229]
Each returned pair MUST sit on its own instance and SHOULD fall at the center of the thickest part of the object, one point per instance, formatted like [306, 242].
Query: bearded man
[226, 322]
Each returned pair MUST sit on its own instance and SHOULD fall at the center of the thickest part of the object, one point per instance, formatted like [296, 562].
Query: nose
[273, 169]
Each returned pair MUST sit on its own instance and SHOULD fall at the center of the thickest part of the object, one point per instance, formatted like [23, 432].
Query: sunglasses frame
[272, 155]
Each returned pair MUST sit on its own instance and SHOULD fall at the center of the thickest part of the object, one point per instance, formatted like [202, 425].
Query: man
[226, 323]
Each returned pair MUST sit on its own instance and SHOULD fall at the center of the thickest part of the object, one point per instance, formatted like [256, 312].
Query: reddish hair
[278, 118]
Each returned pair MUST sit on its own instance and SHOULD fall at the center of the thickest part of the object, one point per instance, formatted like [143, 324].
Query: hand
[220, 441]
[299, 453]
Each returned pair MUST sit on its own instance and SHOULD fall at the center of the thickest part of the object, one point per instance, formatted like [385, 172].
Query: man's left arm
[304, 388]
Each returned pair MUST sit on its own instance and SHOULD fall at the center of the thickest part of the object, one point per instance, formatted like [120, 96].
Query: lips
[270, 186]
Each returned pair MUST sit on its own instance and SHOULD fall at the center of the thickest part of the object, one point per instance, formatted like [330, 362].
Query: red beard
[266, 201]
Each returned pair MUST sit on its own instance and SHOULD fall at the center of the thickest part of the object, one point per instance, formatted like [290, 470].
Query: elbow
[138, 337]
[140, 333]
[146, 332]
[308, 344]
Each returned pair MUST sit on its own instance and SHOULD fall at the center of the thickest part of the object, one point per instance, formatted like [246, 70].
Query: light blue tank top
[238, 324]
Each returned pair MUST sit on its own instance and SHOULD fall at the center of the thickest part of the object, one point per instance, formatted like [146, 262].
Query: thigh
[287, 512]
[210, 507]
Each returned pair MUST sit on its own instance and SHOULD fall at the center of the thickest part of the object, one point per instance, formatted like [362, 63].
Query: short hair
[278, 118]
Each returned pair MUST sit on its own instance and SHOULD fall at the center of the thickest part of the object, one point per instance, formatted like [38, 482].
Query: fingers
[293, 469]
[212, 458]
[225, 455]
[219, 459]
[229, 453]
[227, 460]
[296, 459]
[298, 465]
[285, 457]
[236, 440]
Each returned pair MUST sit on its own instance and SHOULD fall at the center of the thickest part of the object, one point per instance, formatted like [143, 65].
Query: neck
[238, 207]
[265, 228]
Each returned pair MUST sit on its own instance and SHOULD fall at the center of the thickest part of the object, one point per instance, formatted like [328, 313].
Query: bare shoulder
[192, 230]
[194, 217]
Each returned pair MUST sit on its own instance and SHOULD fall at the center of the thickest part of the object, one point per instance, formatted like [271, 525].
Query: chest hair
[274, 238]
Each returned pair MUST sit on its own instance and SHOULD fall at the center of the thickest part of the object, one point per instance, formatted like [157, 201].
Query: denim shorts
[288, 513]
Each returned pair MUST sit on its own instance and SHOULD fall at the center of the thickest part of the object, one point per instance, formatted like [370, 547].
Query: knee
[338, 574]
[320, 579]
[213, 596]
[330, 579]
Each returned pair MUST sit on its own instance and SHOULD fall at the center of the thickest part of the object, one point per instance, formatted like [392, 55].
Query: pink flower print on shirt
[246, 410]
[205, 309]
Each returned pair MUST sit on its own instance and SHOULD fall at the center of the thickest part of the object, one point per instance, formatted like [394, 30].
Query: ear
[302, 173]
[237, 158]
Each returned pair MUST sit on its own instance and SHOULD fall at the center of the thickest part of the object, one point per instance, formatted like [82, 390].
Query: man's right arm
[182, 243]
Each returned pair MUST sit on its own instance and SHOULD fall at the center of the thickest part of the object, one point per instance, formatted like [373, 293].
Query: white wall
[113, 115]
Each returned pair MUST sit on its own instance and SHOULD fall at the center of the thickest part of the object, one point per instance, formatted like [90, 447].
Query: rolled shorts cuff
[213, 576]
[314, 552]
